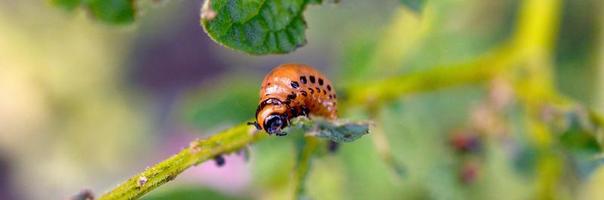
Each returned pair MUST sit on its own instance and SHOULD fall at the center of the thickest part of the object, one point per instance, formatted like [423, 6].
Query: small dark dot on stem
[219, 159]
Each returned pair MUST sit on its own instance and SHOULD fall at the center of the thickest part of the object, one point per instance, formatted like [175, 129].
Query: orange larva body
[292, 90]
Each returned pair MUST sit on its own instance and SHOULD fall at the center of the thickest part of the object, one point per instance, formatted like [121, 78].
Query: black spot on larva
[330, 96]
[294, 112]
[291, 96]
[329, 87]
[303, 93]
[303, 79]
[320, 81]
[318, 90]
[268, 83]
[312, 79]
[294, 84]
[324, 92]
[311, 90]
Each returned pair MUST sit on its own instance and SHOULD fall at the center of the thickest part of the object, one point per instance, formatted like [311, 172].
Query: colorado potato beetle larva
[291, 90]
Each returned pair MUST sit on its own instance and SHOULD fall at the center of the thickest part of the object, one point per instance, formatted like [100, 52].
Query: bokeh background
[85, 104]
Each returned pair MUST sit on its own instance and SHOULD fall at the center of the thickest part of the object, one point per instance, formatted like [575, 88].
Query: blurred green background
[84, 104]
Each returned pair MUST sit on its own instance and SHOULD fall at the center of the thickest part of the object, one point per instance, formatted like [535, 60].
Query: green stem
[199, 150]
[232, 140]
[475, 71]
[534, 39]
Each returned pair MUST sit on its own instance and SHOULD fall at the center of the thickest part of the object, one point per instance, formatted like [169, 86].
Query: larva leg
[305, 111]
[332, 146]
[255, 124]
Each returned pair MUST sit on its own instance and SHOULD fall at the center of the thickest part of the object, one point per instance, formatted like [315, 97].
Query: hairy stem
[232, 140]
[198, 151]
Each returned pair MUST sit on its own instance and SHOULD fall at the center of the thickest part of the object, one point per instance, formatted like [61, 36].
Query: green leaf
[337, 131]
[256, 26]
[108, 11]
[415, 5]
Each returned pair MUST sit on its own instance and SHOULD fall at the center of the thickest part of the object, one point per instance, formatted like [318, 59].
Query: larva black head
[274, 124]
[272, 116]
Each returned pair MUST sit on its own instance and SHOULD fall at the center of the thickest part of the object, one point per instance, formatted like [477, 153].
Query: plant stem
[232, 140]
[534, 39]
[198, 151]
[475, 71]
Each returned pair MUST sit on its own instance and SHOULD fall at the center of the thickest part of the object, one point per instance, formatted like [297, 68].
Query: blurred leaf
[415, 5]
[230, 103]
[113, 11]
[576, 138]
[109, 11]
[525, 160]
[357, 54]
[306, 150]
[581, 145]
[255, 26]
[574, 53]
[366, 177]
[586, 164]
[67, 4]
[190, 193]
[370, 57]
[326, 179]
[579, 141]
[272, 164]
